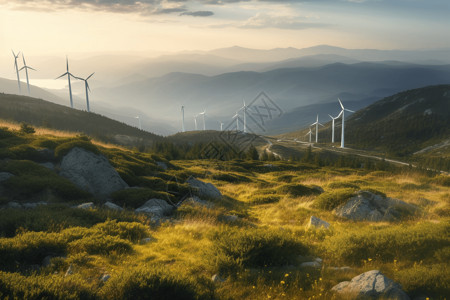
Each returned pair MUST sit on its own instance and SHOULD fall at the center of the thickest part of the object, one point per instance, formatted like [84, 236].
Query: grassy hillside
[255, 238]
[41, 113]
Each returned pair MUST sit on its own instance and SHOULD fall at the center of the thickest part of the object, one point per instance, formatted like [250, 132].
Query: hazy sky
[74, 26]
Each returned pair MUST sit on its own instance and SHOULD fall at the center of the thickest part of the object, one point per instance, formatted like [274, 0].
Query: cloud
[202, 13]
[262, 20]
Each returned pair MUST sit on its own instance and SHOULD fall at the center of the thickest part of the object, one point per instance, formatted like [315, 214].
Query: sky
[59, 27]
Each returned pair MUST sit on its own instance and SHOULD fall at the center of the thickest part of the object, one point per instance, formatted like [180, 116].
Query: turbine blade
[61, 76]
[330, 116]
[341, 103]
[321, 125]
[31, 68]
[349, 110]
[22, 68]
[23, 58]
[340, 114]
[67, 64]
[87, 85]
[90, 76]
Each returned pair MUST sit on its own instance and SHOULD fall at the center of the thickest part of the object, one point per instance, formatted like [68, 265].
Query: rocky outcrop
[87, 205]
[91, 172]
[367, 206]
[371, 285]
[203, 189]
[5, 176]
[317, 223]
[112, 206]
[157, 208]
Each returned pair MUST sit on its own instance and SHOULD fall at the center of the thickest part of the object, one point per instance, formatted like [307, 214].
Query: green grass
[332, 199]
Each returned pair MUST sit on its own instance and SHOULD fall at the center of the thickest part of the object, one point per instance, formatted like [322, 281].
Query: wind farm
[177, 155]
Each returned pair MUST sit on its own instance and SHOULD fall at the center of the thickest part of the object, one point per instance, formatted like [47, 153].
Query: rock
[91, 172]
[231, 218]
[217, 279]
[310, 264]
[47, 261]
[112, 206]
[371, 285]
[69, 271]
[5, 176]
[33, 205]
[207, 190]
[366, 206]
[14, 204]
[87, 205]
[318, 259]
[145, 241]
[48, 165]
[342, 269]
[162, 165]
[105, 277]
[317, 223]
[155, 207]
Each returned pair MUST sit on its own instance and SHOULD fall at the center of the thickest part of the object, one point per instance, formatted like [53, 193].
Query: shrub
[132, 231]
[136, 197]
[26, 128]
[427, 280]
[442, 180]
[16, 286]
[63, 149]
[418, 242]
[332, 199]
[265, 199]
[148, 282]
[285, 178]
[342, 185]
[25, 152]
[230, 177]
[297, 190]
[235, 249]
[100, 244]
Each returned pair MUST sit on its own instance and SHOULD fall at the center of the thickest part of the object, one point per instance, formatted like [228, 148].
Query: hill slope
[38, 112]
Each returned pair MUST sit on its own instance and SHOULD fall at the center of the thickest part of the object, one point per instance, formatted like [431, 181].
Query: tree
[252, 153]
[26, 128]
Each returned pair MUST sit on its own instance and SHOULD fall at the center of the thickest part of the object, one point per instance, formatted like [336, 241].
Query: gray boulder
[87, 205]
[5, 176]
[105, 277]
[145, 240]
[14, 204]
[112, 206]
[91, 172]
[162, 165]
[48, 165]
[367, 206]
[203, 189]
[155, 207]
[311, 264]
[317, 223]
[371, 285]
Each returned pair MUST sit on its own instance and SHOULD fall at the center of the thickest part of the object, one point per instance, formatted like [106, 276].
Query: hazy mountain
[290, 88]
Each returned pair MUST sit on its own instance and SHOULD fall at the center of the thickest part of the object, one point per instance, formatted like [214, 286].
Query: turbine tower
[17, 70]
[317, 127]
[309, 133]
[195, 121]
[203, 113]
[244, 108]
[343, 118]
[182, 119]
[140, 125]
[68, 78]
[332, 126]
[86, 86]
[26, 72]
[236, 116]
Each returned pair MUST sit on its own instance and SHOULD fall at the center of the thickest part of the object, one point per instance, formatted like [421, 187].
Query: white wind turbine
[68, 78]
[244, 108]
[221, 125]
[343, 118]
[140, 125]
[203, 113]
[86, 86]
[26, 72]
[17, 70]
[236, 116]
[332, 126]
[317, 127]
[310, 134]
[182, 119]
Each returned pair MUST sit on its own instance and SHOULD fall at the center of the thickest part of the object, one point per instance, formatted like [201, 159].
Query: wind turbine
[182, 116]
[221, 126]
[236, 116]
[317, 127]
[332, 126]
[195, 121]
[68, 77]
[309, 133]
[343, 118]
[86, 85]
[140, 125]
[26, 72]
[17, 70]
[244, 108]
[204, 115]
